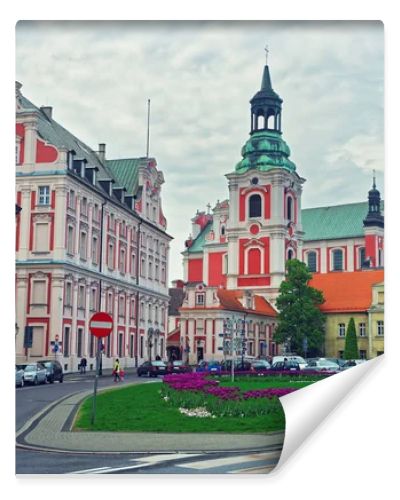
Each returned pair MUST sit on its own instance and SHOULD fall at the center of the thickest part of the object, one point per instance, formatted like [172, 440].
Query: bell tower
[264, 228]
[374, 228]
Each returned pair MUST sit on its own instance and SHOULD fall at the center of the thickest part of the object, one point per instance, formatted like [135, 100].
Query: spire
[374, 183]
[374, 216]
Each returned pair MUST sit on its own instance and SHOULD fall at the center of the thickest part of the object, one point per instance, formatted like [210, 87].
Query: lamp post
[150, 334]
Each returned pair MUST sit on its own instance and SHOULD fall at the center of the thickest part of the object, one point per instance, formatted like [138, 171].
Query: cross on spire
[266, 54]
[374, 182]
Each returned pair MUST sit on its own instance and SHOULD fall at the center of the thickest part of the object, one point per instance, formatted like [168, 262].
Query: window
[39, 295]
[110, 255]
[361, 329]
[222, 231]
[38, 340]
[289, 208]
[91, 346]
[254, 261]
[290, 254]
[83, 245]
[337, 256]
[150, 316]
[122, 261]
[380, 328]
[156, 314]
[132, 309]
[380, 257]
[84, 206]
[200, 299]
[255, 205]
[340, 354]
[121, 345]
[381, 297]
[41, 237]
[131, 344]
[163, 277]
[141, 346]
[96, 212]
[361, 257]
[93, 297]
[81, 297]
[142, 267]
[141, 311]
[154, 214]
[363, 354]
[94, 250]
[71, 199]
[150, 271]
[44, 195]
[342, 330]
[66, 341]
[108, 346]
[133, 265]
[68, 293]
[79, 343]
[312, 261]
[70, 240]
[17, 153]
[110, 303]
[121, 307]
[156, 273]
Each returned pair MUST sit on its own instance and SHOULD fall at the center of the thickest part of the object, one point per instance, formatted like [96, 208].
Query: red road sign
[100, 325]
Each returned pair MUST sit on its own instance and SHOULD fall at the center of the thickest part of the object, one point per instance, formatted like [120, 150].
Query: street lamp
[150, 333]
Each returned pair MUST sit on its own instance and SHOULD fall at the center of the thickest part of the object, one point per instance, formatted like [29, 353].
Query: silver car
[35, 373]
[19, 376]
[322, 365]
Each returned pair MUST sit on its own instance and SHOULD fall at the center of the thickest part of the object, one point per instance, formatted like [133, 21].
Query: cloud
[363, 151]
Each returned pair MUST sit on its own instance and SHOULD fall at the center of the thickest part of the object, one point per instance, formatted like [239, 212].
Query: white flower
[195, 412]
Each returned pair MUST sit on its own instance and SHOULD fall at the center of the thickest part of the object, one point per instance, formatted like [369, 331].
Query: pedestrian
[117, 370]
[82, 365]
[285, 364]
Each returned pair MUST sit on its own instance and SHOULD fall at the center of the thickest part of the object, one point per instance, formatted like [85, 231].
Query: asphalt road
[31, 399]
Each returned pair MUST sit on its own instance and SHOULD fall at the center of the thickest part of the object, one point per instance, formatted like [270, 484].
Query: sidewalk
[51, 430]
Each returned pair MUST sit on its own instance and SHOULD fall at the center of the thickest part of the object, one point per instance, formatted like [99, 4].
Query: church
[234, 259]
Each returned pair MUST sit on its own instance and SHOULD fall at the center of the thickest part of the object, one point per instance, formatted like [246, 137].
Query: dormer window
[255, 205]
[200, 299]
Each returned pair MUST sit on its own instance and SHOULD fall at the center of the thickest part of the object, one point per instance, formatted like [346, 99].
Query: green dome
[265, 149]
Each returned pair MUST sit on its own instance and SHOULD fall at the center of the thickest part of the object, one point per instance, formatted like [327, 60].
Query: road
[31, 399]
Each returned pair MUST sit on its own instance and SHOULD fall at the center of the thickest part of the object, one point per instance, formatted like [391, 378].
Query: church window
[254, 181]
[361, 257]
[289, 208]
[312, 262]
[337, 260]
[222, 230]
[255, 205]
[254, 261]
[290, 254]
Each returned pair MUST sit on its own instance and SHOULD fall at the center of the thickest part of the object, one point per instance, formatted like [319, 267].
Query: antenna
[148, 128]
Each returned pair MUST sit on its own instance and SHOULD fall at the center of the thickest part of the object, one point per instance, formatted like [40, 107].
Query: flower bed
[199, 390]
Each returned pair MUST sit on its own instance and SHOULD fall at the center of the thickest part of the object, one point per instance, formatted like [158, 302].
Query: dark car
[152, 368]
[178, 366]
[209, 367]
[260, 365]
[245, 366]
[282, 366]
[54, 370]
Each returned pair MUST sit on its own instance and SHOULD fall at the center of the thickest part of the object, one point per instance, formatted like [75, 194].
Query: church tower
[374, 229]
[264, 228]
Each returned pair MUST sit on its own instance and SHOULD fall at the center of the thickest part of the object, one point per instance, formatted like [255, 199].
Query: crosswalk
[193, 463]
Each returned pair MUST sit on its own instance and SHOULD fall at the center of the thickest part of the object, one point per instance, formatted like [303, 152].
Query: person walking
[83, 365]
[117, 371]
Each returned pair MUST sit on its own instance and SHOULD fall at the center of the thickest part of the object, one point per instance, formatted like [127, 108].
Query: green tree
[350, 346]
[299, 316]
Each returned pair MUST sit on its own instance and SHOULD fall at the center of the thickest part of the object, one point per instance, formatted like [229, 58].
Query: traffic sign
[101, 324]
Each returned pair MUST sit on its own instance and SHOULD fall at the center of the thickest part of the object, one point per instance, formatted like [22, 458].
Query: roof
[176, 299]
[125, 172]
[174, 336]
[229, 300]
[340, 221]
[198, 243]
[344, 291]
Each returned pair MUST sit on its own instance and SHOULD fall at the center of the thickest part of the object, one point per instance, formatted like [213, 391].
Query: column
[56, 309]
[20, 312]
[60, 222]
[25, 219]
[30, 142]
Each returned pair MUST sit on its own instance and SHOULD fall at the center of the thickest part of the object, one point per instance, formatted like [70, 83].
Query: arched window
[271, 122]
[260, 122]
[254, 261]
[222, 230]
[312, 261]
[337, 256]
[289, 208]
[255, 205]
[290, 254]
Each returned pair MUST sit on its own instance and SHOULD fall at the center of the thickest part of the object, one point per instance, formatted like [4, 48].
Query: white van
[298, 359]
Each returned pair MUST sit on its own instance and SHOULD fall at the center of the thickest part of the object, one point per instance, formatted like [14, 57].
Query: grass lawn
[140, 408]
[265, 382]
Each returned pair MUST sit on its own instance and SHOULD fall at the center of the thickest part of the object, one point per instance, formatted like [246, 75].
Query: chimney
[47, 110]
[102, 152]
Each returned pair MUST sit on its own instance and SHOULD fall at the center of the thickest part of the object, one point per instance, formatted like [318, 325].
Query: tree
[350, 346]
[299, 316]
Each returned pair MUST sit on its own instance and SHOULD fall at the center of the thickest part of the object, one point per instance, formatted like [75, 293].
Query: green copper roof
[198, 243]
[264, 150]
[341, 221]
[125, 172]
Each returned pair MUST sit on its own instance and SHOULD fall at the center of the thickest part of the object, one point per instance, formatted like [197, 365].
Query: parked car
[178, 366]
[322, 365]
[152, 368]
[35, 373]
[289, 365]
[259, 365]
[209, 367]
[341, 362]
[226, 366]
[54, 370]
[352, 362]
[291, 357]
[19, 376]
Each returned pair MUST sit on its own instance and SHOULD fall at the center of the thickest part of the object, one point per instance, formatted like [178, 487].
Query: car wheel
[62, 379]
[35, 382]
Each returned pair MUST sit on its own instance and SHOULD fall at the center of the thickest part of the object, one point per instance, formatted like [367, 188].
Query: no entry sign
[100, 324]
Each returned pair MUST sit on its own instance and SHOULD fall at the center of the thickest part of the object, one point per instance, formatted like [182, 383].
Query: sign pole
[96, 378]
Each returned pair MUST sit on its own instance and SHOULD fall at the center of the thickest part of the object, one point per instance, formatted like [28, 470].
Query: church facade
[234, 261]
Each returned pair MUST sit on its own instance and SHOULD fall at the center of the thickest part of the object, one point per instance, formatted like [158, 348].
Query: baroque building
[90, 236]
[235, 257]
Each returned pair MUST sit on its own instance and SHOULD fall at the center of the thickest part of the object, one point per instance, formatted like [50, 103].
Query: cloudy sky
[200, 78]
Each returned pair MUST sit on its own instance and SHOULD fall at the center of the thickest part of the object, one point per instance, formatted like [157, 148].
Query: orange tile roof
[346, 291]
[229, 299]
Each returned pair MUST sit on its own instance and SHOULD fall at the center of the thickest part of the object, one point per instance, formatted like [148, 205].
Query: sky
[200, 77]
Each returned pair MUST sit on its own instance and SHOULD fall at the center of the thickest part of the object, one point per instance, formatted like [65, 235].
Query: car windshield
[158, 363]
[178, 363]
[47, 364]
[325, 362]
[31, 368]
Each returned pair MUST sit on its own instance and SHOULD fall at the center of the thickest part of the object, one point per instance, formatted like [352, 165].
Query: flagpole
[148, 127]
